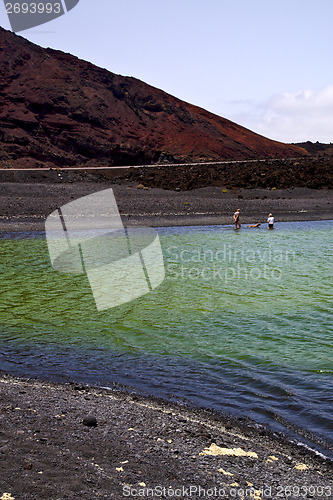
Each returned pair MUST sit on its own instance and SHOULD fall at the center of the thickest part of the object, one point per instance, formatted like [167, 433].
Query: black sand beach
[144, 447]
[27, 198]
[141, 447]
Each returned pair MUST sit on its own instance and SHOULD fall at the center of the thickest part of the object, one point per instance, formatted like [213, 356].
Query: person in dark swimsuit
[236, 219]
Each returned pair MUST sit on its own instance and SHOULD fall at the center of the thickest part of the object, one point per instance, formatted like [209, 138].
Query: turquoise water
[242, 323]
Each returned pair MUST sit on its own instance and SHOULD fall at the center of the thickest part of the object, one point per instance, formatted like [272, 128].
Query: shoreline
[25, 202]
[141, 443]
[21, 226]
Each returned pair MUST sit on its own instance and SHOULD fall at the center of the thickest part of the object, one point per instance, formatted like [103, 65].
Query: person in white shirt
[270, 221]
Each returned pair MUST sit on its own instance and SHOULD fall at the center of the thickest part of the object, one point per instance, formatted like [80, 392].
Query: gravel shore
[76, 442]
[27, 198]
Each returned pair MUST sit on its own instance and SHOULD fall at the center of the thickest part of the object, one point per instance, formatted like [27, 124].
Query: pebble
[90, 421]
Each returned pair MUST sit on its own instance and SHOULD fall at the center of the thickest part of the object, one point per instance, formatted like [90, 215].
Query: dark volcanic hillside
[57, 110]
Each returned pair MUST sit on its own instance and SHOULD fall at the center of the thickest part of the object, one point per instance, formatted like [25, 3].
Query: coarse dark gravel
[139, 446]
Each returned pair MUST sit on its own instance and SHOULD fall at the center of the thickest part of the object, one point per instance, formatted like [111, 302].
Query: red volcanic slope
[56, 109]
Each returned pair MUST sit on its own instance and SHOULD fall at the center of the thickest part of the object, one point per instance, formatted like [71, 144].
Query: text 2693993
[33, 8]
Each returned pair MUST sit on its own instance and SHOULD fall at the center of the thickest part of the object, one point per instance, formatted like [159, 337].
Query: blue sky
[265, 64]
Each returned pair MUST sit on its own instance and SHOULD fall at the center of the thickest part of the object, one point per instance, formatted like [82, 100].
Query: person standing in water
[236, 219]
[270, 221]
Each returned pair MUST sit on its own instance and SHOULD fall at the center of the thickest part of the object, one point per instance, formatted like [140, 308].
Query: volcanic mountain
[57, 110]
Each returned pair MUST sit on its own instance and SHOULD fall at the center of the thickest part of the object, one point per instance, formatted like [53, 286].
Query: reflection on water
[241, 323]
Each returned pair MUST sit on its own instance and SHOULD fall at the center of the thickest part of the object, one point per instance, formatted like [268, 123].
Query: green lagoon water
[242, 323]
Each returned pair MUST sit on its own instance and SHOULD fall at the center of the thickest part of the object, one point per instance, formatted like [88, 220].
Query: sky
[264, 64]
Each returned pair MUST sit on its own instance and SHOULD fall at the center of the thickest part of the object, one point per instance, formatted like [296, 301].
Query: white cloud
[291, 116]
